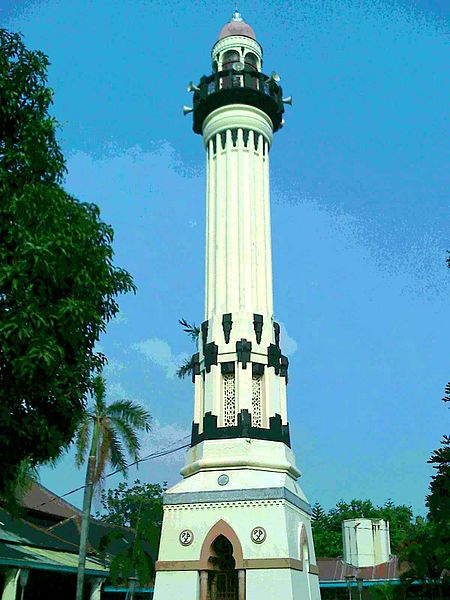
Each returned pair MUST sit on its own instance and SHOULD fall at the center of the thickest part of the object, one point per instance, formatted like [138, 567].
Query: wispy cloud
[163, 437]
[288, 344]
[160, 353]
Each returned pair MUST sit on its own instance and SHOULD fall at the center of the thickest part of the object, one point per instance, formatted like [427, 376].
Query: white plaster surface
[177, 585]
[366, 542]
[238, 453]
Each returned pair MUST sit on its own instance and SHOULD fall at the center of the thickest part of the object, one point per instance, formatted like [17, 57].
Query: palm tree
[111, 432]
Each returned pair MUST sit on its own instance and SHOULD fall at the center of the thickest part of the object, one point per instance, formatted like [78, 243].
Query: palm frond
[117, 454]
[186, 368]
[131, 413]
[128, 435]
[99, 394]
[82, 437]
[193, 330]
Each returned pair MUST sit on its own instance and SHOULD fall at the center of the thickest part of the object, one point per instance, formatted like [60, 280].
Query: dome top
[237, 26]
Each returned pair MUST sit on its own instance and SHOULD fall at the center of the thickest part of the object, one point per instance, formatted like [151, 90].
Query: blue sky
[359, 217]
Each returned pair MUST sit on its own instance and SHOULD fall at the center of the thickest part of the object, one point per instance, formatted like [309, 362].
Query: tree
[193, 331]
[438, 500]
[58, 284]
[109, 431]
[327, 527]
[426, 552]
[123, 505]
[140, 507]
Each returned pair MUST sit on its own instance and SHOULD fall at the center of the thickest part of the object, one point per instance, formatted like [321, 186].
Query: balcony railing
[230, 86]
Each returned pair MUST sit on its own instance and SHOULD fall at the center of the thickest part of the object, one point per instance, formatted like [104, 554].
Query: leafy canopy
[58, 283]
[123, 505]
[138, 506]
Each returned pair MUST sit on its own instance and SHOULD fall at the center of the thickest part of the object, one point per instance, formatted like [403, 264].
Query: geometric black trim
[243, 350]
[276, 329]
[284, 364]
[277, 432]
[258, 326]
[210, 351]
[273, 357]
[196, 366]
[257, 369]
[204, 333]
[227, 368]
[227, 324]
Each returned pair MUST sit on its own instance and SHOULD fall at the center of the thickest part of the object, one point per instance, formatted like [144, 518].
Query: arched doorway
[222, 574]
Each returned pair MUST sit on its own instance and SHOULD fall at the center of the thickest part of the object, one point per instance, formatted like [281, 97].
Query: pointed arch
[221, 528]
[302, 542]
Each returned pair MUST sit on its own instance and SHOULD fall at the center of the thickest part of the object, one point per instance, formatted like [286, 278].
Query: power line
[158, 454]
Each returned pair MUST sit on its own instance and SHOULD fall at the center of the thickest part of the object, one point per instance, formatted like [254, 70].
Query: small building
[39, 551]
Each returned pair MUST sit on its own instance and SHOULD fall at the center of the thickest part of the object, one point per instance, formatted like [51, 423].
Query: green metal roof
[22, 555]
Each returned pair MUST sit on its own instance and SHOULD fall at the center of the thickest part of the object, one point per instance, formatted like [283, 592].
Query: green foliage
[327, 527]
[110, 430]
[140, 507]
[385, 591]
[427, 551]
[438, 500]
[124, 504]
[193, 330]
[427, 556]
[58, 284]
[187, 366]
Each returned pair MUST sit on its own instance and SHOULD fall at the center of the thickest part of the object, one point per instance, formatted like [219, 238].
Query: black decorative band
[234, 136]
[243, 351]
[276, 328]
[204, 333]
[277, 432]
[257, 369]
[274, 357]
[258, 326]
[227, 324]
[210, 351]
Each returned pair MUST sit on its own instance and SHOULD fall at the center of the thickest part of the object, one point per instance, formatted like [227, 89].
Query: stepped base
[265, 517]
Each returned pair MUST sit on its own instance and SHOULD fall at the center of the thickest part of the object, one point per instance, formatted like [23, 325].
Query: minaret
[238, 525]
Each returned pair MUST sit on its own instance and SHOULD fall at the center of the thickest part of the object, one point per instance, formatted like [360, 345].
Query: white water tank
[366, 542]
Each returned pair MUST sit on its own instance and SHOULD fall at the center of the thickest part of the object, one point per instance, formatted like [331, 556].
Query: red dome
[237, 26]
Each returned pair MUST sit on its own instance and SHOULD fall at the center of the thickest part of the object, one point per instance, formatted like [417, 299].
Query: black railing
[229, 79]
[230, 86]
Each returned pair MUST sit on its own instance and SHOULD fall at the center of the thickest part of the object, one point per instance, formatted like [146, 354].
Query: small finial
[237, 15]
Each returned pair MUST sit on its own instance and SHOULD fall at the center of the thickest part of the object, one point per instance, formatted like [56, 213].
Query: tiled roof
[41, 499]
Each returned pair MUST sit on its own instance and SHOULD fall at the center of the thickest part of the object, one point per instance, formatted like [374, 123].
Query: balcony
[237, 87]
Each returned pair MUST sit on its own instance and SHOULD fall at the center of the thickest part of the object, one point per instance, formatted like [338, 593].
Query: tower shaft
[238, 525]
[237, 139]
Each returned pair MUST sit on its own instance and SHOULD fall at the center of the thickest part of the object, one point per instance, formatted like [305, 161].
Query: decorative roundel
[186, 537]
[223, 479]
[258, 535]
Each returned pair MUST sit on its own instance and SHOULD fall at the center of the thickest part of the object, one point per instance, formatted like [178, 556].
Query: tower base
[237, 533]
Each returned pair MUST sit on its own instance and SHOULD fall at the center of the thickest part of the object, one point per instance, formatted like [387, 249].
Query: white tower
[237, 527]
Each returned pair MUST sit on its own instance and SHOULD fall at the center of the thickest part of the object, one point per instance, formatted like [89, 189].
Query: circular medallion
[258, 535]
[223, 479]
[186, 537]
